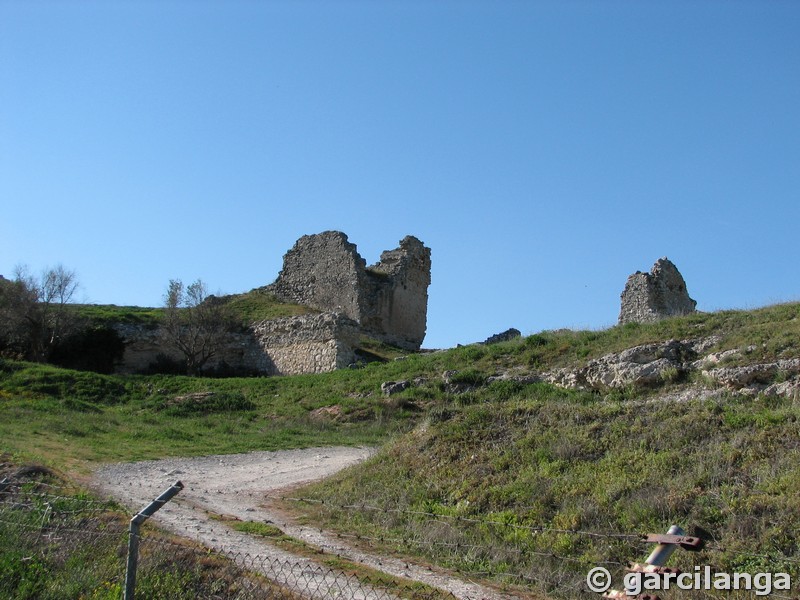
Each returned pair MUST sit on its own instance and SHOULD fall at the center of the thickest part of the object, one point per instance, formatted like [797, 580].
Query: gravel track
[236, 485]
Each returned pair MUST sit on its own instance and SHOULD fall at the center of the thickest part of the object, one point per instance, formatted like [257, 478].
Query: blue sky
[544, 151]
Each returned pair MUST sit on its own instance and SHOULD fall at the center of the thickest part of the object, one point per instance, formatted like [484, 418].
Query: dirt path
[236, 485]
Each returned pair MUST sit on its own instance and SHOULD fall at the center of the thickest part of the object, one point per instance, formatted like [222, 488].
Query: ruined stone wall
[307, 343]
[324, 272]
[144, 346]
[650, 297]
[389, 300]
[286, 346]
[396, 305]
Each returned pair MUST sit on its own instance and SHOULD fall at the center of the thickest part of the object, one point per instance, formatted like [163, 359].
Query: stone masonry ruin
[650, 297]
[306, 343]
[389, 299]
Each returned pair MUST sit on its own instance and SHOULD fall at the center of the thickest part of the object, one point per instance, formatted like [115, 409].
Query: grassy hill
[486, 470]
[534, 485]
[255, 305]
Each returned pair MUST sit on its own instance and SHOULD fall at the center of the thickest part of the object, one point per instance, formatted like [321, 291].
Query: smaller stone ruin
[505, 336]
[650, 297]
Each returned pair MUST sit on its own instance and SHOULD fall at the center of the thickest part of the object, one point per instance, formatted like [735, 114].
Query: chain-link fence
[56, 545]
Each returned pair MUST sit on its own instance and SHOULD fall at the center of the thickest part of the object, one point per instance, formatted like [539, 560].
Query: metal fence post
[133, 539]
[667, 544]
[661, 553]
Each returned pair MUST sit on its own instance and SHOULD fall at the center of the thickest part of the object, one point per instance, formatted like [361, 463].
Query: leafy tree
[195, 323]
[34, 312]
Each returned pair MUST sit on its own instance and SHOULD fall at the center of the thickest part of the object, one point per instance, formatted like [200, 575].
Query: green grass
[57, 542]
[255, 305]
[109, 314]
[571, 461]
[74, 419]
[504, 459]
[79, 417]
[258, 305]
[496, 461]
[774, 331]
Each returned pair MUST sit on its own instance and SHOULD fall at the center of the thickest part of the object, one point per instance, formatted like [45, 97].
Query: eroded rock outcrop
[644, 366]
[649, 367]
[652, 365]
[650, 297]
[390, 388]
[779, 378]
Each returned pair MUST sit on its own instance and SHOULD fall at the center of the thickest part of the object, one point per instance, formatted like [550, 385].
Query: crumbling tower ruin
[324, 272]
[389, 299]
[650, 297]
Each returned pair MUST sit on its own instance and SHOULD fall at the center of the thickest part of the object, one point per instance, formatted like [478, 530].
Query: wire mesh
[57, 534]
[54, 545]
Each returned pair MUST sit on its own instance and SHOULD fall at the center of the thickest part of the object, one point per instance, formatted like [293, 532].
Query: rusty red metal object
[687, 542]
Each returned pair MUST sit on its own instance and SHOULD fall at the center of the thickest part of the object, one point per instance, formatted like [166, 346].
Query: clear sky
[544, 151]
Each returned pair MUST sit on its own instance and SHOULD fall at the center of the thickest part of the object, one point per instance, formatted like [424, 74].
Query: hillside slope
[526, 462]
[693, 421]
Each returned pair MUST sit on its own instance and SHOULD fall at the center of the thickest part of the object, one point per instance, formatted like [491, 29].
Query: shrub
[536, 340]
[468, 377]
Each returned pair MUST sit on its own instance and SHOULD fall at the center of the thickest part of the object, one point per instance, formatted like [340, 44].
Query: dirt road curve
[235, 485]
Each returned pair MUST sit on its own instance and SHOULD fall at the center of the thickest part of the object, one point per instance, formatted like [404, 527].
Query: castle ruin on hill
[387, 301]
